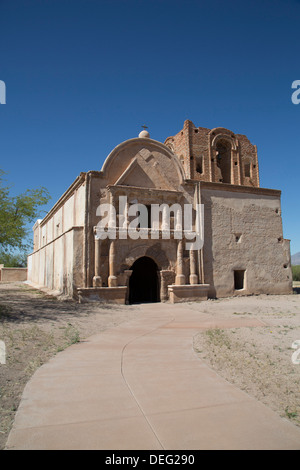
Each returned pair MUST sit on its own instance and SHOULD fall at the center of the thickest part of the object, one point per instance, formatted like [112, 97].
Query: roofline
[66, 195]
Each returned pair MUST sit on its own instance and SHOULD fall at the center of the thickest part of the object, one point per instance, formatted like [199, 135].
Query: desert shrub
[296, 273]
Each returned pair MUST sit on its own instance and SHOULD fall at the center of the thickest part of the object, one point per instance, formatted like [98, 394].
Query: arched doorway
[143, 282]
[223, 149]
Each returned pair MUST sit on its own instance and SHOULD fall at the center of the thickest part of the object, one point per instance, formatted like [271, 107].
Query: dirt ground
[259, 360]
[35, 327]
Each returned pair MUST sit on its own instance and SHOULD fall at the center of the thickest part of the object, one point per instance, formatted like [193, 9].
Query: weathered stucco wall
[57, 260]
[243, 232]
[58, 265]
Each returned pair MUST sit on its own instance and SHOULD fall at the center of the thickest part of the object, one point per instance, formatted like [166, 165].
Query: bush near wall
[10, 260]
[296, 273]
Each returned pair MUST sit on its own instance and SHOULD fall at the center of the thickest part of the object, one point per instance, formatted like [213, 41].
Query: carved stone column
[167, 278]
[112, 280]
[97, 280]
[112, 214]
[126, 216]
[165, 219]
[178, 221]
[180, 277]
[163, 287]
[193, 268]
[123, 229]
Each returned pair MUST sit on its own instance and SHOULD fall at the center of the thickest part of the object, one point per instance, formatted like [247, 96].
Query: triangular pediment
[143, 163]
[144, 172]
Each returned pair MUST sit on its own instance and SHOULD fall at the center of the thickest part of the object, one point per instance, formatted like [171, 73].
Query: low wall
[116, 295]
[13, 274]
[188, 292]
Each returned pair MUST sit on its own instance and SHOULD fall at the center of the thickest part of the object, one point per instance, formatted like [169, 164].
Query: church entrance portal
[143, 282]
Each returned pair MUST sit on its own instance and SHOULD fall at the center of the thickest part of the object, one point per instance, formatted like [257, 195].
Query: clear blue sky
[84, 75]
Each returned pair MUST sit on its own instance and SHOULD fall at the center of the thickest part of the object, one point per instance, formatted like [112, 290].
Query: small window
[149, 215]
[247, 170]
[199, 165]
[145, 219]
[239, 280]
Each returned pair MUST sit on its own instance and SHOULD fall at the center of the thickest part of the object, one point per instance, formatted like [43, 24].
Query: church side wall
[58, 265]
[244, 249]
[57, 261]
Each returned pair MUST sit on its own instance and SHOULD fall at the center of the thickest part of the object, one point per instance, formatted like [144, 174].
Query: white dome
[144, 134]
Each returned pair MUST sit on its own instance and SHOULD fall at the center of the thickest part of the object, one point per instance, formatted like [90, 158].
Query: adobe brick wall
[13, 274]
[243, 231]
[194, 146]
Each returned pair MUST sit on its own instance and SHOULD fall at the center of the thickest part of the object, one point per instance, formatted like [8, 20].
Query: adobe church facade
[243, 250]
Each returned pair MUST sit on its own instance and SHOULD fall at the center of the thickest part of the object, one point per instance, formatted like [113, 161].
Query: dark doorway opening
[224, 160]
[143, 282]
[239, 278]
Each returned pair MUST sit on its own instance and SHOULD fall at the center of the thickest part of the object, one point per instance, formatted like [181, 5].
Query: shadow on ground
[19, 303]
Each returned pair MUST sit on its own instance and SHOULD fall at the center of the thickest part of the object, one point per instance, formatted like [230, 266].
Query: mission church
[243, 250]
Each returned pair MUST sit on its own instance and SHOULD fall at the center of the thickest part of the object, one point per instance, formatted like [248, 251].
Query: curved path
[141, 386]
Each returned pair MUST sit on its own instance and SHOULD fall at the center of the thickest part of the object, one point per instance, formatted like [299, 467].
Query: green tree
[296, 273]
[13, 260]
[15, 215]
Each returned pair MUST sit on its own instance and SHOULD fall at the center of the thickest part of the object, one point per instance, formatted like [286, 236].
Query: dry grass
[258, 360]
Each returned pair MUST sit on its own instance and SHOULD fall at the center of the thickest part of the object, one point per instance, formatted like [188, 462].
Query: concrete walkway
[141, 386]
